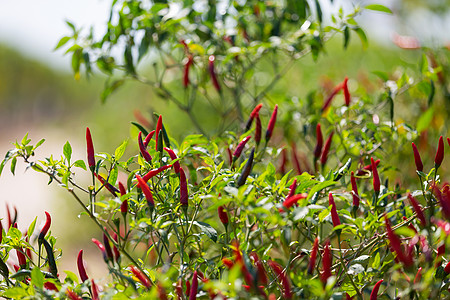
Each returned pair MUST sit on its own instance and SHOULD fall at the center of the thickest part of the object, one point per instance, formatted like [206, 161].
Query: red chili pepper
[159, 126]
[21, 258]
[122, 189]
[439, 153]
[179, 290]
[184, 196]
[367, 168]
[295, 160]
[90, 150]
[253, 115]
[326, 263]
[101, 248]
[417, 159]
[376, 178]
[319, 142]
[258, 129]
[115, 250]
[46, 227]
[327, 102]
[142, 149]
[107, 185]
[146, 190]
[418, 276]
[194, 287]
[173, 156]
[374, 293]
[223, 216]
[248, 278]
[418, 210]
[282, 168]
[354, 191]
[155, 172]
[272, 122]
[326, 149]
[141, 277]
[148, 138]
[347, 297]
[81, 268]
[212, 73]
[448, 141]
[334, 214]
[94, 290]
[260, 271]
[72, 295]
[228, 262]
[292, 189]
[444, 201]
[447, 268]
[124, 205]
[247, 169]
[162, 295]
[278, 270]
[50, 286]
[187, 66]
[346, 92]
[188, 287]
[396, 245]
[312, 258]
[108, 249]
[1, 232]
[289, 202]
[240, 147]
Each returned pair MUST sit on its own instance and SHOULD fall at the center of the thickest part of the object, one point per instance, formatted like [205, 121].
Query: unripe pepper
[253, 115]
[184, 197]
[326, 263]
[142, 149]
[186, 71]
[146, 190]
[272, 122]
[81, 268]
[326, 149]
[319, 142]
[374, 293]
[212, 73]
[439, 153]
[247, 169]
[376, 178]
[312, 258]
[258, 129]
[240, 147]
[50, 259]
[90, 150]
[417, 159]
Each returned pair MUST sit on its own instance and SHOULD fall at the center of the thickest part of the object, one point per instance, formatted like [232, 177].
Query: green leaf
[362, 37]
[378, 7]
[382, 75]
[80, 164]
[13, 165]
[319, 187]
[110, 88]
[207, 229]
[113, 175]
[424, 120]
[71, 277]
[15, 293]
[31, 227]
[38, 144]
[37, 278]
[67, 151]
[62, 42]
[118, 153]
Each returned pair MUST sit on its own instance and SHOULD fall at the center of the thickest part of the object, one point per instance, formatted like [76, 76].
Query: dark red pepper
[334, 214]
[261, 272]
[94, 290]
[212, 73]
[148, 138]
[90, 150]
[124, 205]
[278, 270]
[376, 177]
[72, 295]
[187, 66]
[141, 277]
[253, 115]
[271, 125]
[327, 102]
[158, 129]
[184, 197]
[326, 263]
[223, 216]
[173, 156]
[346, 92]
[326, 149]
[113, 190]
[115, 250]
[247, 169]
[46, 227]
[107, 245]
[319, 142]
[237, 152]
[142, 149]
[439, 153]
[354, 191]
[418, 210]
[194, 287]
[101, 248]
[396, 246]
[417, 159]
[292, 189]
[81, 268]
[374, 293]
[312, 258]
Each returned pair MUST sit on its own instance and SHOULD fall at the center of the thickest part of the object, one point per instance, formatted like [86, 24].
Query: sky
[34, 27]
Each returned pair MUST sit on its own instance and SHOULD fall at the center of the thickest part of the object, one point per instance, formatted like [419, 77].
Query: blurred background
[39, 95]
